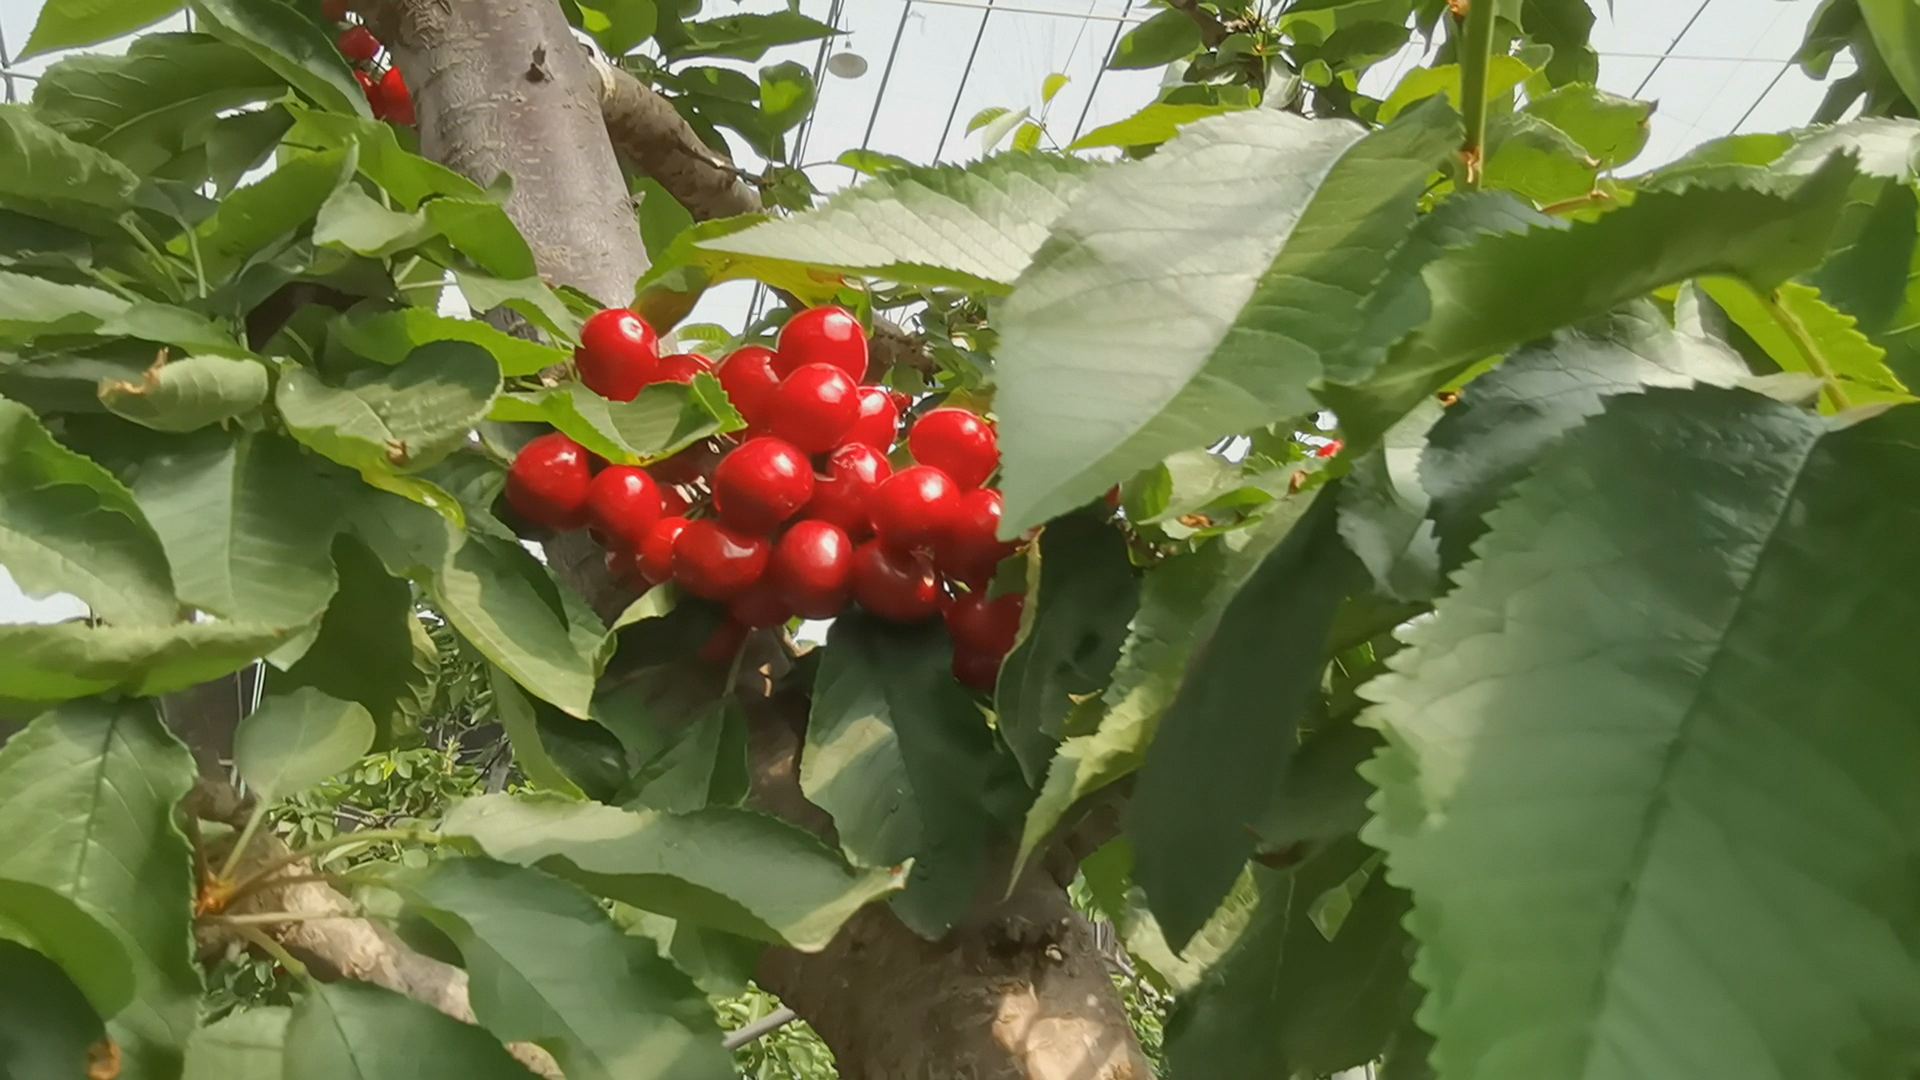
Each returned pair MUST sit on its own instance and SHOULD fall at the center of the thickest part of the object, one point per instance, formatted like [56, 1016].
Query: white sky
[1726, 67]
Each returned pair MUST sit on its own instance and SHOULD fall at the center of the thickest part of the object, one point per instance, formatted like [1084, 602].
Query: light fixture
[847, 65]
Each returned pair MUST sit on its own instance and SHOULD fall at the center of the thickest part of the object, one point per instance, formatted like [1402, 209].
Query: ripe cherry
[396, 101]
[897, 586]
[358, 44]
[986, 626]
[672, 500]
[762, 483]
[971, 546]
[814, 407]
[811, 566]
[748, 377]
[691, 465]
[333, 10]
[656, 548]
[823, 335]
[1329, 449]
[978, 670]
[716, 562]
[879, 422]
[958, 443]
[547, 483]
[623, 502]
[913, 508]
[618, 354]
[681, 367]
[369, 88]
[841, 493]
[759, 606]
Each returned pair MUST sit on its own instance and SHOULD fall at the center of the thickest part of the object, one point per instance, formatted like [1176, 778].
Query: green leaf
[158, 99]
[1233, 724]
[1490, 439]
[46, 168]
[1315, 21]
[1383, 510]
[899, 757]
[1081, 590]
[1505, 73]
[1111, 358]
[293, 741]
[1107, 873]
[267, 213]
[87, 796]
[364, 648]
[787, 95]
[516, 715]
[46, 1025]
[1617, 735]
[1533, 158]
[1895, 26]
[248, 1043]
[1162, 39]
[548, 967]
[1150, 126]
[1477, 300]
[393, 419]
[872, 162]
[64, 24]
[31, 307]
[66, 525]
[290, 42]
[1565, 26]
[46, 664]
[995, 131]
[401, 173]
[1051, 86]
[665, 419]
[745, 37]
[354, 221]
[974, 226]
[733, 870]
[618, 26]
[1795, 321]
[1612, 129]
[57, 927]
[358, 1031]
[389, 337]
[188, 393]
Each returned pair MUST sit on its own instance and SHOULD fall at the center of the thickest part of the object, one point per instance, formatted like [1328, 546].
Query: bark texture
[651, 135]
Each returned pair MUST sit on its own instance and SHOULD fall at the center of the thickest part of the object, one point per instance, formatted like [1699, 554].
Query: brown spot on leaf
[103, 1060]
[1196, 521]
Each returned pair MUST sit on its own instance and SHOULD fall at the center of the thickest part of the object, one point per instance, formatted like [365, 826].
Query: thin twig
[1476, 57]
[368, 836]
[278, 918]
[272, 948]
[240, 845]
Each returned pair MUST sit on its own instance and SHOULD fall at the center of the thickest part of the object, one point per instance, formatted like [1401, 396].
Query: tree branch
[1212, 30]
[651, 135]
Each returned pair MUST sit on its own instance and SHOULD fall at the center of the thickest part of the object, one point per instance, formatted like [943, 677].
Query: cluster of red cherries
[805, 513]
[386, 90]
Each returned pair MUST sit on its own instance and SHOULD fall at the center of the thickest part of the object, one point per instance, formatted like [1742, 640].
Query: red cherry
[811, 567]
[823, 335]
[841, 494]
[902, 401]
[1329, 449]
[971, 546]
[715, 562]
[814, 407]
[978, 670]
[624, 567]
[760, 606]
[368, 88]
[396, 101]
[358, 44]
[761, 484]
[957, 442]
[879, 421]
[694, 464]
[748, 377]
[656, 548]
[897, 586]
[672, 501]
[618, 354]
[622, 504]
[986, 626]
[333, 10]
[547, 483]
[681, 367]
[913, 508]
[1113, 497]
[723, 643]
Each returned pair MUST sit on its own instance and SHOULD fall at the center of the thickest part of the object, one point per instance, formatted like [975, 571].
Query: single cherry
[762, 483]
[985, 626]
[897, 586]
[369, 88]
[681, 367]
[814, 407]
[623, 502]
[978, 670]
[396, 101]
[878, 425]
[958, 443]
[716, 562]
[759, 606]
[358, 44]
[971, 546]
[823, 335]
[748, 377]
[673, 500]
[811, 566]
[656, 548]
[547, 483]
[618, 354]
[842, 491]
[913, 508]
[1329, 449]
